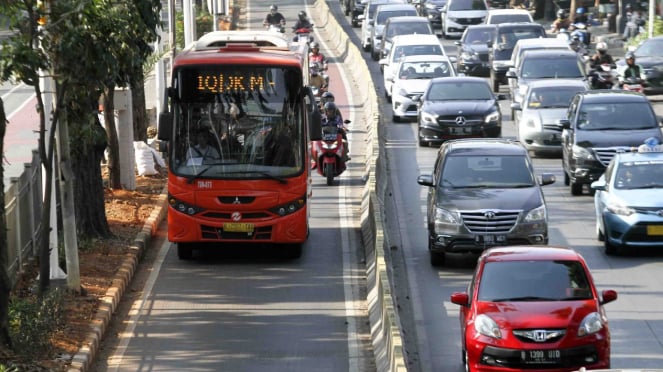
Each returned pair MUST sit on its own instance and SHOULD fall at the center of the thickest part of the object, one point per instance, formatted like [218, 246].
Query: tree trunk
[5, 287]
[89, 141]
[115, 175]
[141, 121]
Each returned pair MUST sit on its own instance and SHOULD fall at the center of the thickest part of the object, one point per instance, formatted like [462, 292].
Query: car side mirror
[383, 62]
[443, 9]
[511, 74]
[598, 185]
[460, 298]
[457, 42]
[516, 106]
[489, 44]
[425, 180]
[564, 123]
[453, 59]
[547, 179]
[608, 295]
[371, 22]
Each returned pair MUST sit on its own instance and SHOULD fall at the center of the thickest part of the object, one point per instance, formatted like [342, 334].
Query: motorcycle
[603, 77]
[276, 27]
[582, 32]
[303, 35]
[328, 152]
[633, 84]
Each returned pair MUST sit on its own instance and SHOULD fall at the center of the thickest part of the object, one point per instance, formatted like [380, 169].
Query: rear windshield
[409, 28]
[507, 18]
[384, 16]
[479, 35]
[457, 5]
[511, 281]
[541, 68]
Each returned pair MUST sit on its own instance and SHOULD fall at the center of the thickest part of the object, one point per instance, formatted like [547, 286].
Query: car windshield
[457, 5]
[551, 97]
[459, 91]
[424, 70]
[640, 175]
[506, 18]
[510, 281]
[382, 17]
[616, 116]
[401, 51]
[479, 36]
[509, 37]
[490, 171]
[535, 68]
[650, 48]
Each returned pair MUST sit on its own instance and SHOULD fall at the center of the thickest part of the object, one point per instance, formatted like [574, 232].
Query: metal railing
[23, 206]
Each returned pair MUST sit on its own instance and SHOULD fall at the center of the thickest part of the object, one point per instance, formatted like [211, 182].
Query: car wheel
[292, 251]
[496, 85]
[610, 249]
[576, 188]
[375, 56]
[184, 251]
[599, 234]
[347, 10]
[567, 179]
[396, 118]
[367, 48]
[355, 24]
[436, 258]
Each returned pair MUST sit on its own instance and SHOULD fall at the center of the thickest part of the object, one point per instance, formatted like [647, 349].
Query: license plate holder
[238, 227]
[460, 130]
[490, 239]
[552, 356]
[656, 230]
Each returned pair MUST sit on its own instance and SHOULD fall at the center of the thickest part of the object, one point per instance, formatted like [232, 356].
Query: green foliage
[32, 319]
[204, 24]
[635, 41]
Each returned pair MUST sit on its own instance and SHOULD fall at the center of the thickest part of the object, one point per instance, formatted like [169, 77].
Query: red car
[533, 308]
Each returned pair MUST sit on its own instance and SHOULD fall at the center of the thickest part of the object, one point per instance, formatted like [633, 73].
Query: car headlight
[444, 218]
[619, 209]
[536, 214]
[469, 56]
[533, 123]
[580, 152]
[492, 117]
[428, 117]
[453, 19]
[486, 326]
[591, 324]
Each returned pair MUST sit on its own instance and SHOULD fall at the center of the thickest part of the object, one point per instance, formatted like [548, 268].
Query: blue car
[628, 202]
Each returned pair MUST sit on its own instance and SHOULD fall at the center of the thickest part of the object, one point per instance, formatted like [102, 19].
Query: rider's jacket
[601, 59]
[634, 71]
[274, 19]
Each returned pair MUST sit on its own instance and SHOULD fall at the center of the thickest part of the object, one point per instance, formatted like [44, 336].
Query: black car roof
[484, 146]
[610, 96]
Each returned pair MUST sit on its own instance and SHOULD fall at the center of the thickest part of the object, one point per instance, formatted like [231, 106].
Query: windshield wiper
[266, 174]
[653, 186]
[192, 178]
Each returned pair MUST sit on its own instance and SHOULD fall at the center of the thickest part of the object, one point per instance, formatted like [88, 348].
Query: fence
[23, 206]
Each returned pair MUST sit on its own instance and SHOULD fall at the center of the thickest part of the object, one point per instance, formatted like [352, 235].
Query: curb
[108, 304]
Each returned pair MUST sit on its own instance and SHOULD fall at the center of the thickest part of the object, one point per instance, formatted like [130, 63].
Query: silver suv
[483, 193]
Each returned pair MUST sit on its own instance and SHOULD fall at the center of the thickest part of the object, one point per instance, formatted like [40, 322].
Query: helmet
[601, 47]
[580, 10]
[561, 13]
[629, 55]
[628, 7]
[330, 107]
[273, 7]
[302, 15]
[314, 45]
[326, 97]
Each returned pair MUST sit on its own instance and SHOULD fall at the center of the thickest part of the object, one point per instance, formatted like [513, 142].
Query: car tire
[436, 258]
[567, 179]
[599, 234]
[292, 251]
[375, 56]
[610, 249]
[396, 118]
[355, 23]
[367, 48]
[576, 188]
[347, 10]
[496, 85]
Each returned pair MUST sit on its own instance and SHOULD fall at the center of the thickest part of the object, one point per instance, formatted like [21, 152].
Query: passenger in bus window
[202, 152]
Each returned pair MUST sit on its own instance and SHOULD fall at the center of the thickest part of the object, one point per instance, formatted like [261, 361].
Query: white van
[458, 14]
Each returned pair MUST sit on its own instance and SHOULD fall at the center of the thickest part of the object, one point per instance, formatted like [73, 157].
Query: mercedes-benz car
[458, 107]
[628, 202]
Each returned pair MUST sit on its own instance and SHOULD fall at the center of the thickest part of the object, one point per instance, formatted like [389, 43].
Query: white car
[413, 74]
[497, 16]
[367, 20]
[545, 102]
[458, 14]
[407, 45]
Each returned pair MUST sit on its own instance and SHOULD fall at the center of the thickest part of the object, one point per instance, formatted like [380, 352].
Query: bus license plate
[238, 227]
[655, 230]
[490, 239]
[540, 356]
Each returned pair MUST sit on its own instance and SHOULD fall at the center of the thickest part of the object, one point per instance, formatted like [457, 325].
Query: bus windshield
[238, 122]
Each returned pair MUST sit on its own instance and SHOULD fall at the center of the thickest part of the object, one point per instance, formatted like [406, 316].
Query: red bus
[238, 123]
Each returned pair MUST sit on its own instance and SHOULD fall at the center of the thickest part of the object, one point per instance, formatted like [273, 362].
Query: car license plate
[238, 227]
[540, 356]
[490, 239]
[460, 130]
[655, 230]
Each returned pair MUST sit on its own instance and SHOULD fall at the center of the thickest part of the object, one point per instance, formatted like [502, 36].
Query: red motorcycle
[633, 84]
[329, 152]
[303, 35]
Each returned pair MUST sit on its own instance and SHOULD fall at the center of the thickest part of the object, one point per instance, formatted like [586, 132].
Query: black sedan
[431, 10]
[473, 50]
[458, 107]
[649, 55]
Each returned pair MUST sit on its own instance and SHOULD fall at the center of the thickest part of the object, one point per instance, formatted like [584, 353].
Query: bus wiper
[280, 180]
[192, 178]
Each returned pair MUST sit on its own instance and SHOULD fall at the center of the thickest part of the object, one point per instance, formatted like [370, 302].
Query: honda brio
[533, 308]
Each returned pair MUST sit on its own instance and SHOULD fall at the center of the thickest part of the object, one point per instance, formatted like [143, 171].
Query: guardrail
[23, 206]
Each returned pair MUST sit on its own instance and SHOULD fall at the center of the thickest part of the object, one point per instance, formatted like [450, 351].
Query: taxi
[628, 203]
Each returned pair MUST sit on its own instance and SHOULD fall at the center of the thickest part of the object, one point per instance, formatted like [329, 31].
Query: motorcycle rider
[561, 23]
[600, 58]
[332, 117]
[633, 70]
[328, 97]
[302, 21]
[316, 56]
[316, 79]
[274, 17]
[581, 15]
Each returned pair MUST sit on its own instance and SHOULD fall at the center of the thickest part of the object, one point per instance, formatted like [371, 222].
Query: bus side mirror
[315, 125]
[164, 126]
